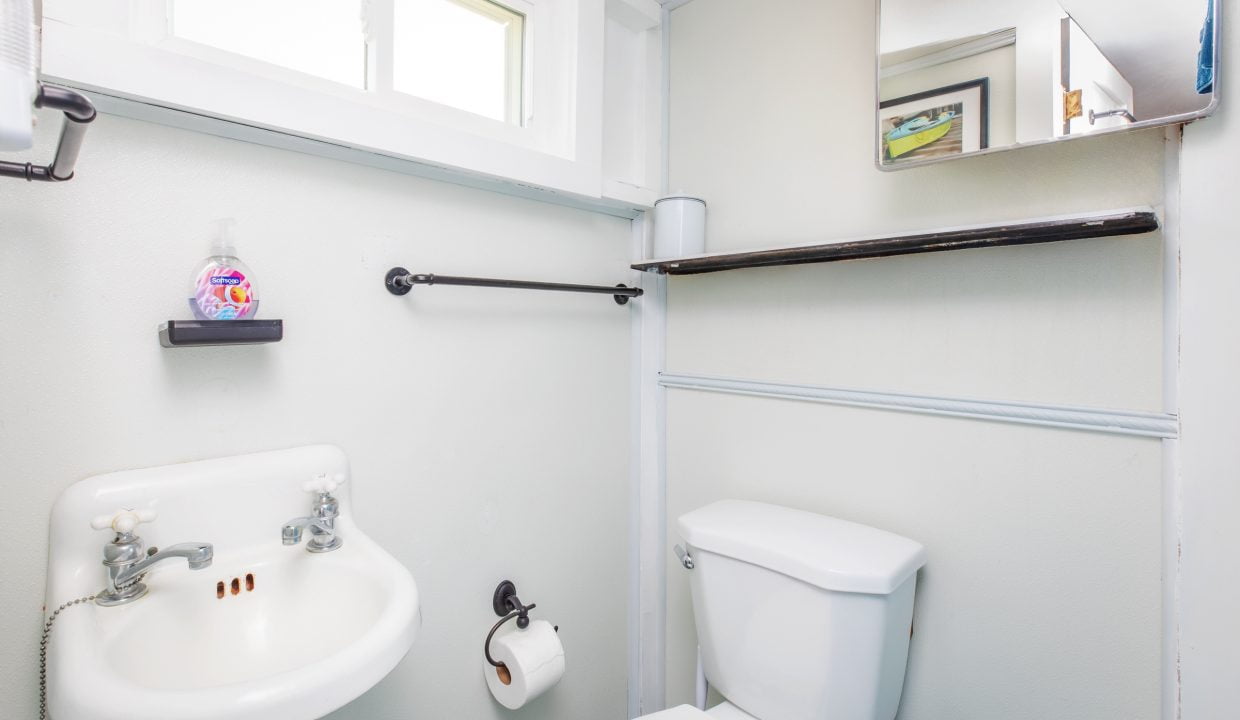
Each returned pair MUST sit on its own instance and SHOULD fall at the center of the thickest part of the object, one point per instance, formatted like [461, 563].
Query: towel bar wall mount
[79, 112]
[400, 281]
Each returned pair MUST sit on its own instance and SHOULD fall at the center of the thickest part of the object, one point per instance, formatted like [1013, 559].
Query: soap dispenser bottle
[222, 287]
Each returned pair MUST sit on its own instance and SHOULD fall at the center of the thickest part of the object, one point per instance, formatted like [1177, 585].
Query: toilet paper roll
[534, 660]
[19, 56]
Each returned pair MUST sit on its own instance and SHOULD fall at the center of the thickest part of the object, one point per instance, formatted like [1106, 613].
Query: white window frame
[124, 48]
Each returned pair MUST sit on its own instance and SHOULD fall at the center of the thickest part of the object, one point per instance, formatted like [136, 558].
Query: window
[466, 54]
[505, 91]
[317, 37]
[463, 53]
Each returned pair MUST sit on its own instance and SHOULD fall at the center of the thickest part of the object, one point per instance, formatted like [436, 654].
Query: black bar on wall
[400, 281]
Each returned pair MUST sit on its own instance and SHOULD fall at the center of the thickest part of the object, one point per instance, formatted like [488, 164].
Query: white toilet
[799, 616]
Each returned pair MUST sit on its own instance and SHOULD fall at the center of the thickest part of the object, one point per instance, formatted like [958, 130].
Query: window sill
[122, 107]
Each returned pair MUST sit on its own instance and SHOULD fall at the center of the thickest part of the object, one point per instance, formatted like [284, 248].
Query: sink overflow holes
[235, 586]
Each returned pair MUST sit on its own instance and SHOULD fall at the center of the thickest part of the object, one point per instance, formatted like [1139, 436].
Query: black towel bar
[400, 281]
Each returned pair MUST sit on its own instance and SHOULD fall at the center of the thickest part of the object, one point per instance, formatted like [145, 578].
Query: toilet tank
[801, 616]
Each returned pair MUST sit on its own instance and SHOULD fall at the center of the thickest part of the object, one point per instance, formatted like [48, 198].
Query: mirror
[960, 77]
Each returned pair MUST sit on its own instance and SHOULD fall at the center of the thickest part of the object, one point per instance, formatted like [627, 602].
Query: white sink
[303, 634]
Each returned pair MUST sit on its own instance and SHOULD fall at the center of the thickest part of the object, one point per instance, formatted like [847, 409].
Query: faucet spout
[322, 528]
[292, 531]
[126, 570]
[197, 555]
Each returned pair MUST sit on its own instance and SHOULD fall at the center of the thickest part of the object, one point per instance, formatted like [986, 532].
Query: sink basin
[267, 631]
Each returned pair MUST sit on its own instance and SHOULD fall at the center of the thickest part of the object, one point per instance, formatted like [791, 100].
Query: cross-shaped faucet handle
[123, 521]
[324, 483]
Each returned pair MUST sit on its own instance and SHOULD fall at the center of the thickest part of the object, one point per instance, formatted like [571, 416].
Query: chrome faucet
[127, 563]
[322, 518]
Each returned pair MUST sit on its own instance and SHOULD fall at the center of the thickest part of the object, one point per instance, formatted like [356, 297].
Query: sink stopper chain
[47, 634]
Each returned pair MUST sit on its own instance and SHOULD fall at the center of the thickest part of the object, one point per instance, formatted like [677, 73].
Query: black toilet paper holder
[507, 606]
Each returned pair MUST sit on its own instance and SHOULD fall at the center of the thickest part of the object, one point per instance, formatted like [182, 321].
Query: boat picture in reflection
[930, 133]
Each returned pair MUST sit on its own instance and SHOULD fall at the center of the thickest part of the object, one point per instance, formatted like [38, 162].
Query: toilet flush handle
[685, 558]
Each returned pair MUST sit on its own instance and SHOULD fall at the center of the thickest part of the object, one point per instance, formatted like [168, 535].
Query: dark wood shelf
[203, 333]
[1024, 232]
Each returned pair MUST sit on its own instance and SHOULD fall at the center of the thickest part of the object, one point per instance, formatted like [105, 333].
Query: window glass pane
[463, 53]
[318, 37]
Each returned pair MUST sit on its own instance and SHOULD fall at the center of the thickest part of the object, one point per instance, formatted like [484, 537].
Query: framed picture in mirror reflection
[935, 123]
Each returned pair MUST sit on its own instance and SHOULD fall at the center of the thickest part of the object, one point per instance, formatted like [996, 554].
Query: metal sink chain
[47, 633]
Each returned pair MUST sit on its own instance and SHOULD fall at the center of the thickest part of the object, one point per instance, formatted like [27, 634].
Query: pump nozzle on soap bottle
[222, 287]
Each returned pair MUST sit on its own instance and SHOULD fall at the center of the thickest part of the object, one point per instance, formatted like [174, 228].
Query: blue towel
[1205, 58]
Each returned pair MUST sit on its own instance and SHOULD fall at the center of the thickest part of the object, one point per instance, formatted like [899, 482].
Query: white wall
[1209, 393]
[782, 159]
[1043, 593]
[488, 429]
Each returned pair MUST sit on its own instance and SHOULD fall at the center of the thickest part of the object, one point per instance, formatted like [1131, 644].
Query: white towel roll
[19, 56]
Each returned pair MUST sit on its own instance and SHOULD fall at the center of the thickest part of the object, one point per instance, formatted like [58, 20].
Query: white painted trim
[1169, 220]
[665, 119]
[648, 566]
[1172, 532]
[1120, 422]
[652, 537]
[1172, 511]
[637, 417]
[976, 46]
[630, 162]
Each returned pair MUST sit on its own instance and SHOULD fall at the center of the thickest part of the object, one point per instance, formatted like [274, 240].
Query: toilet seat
[723, 711]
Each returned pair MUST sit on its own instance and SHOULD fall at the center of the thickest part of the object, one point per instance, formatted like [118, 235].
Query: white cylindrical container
[533, 662]
[679, 227]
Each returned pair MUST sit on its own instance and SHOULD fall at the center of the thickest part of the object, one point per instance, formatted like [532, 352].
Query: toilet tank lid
[824, 551]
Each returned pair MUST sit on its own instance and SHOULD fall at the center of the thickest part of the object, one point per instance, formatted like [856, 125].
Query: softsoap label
[224, 293]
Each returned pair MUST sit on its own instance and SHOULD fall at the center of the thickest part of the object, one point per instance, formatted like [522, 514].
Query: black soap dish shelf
[202, 333]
